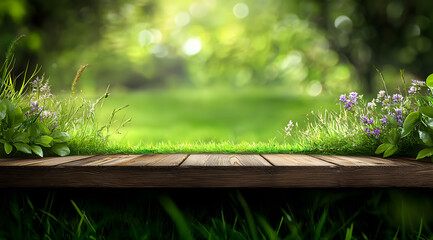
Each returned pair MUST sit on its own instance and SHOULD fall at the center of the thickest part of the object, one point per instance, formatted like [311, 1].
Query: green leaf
[21, 137]
[427, 110]
[44, 140]
[425, 134]
[390, 151]
[393, 136]
[383, 147]
[60, 136]
[22, 147]
[37, 150]
[3, 109]
[18, 117]
[10, 112]
[42, 128]
[8, 148]
[410, 123]
[426, 152]
[429, 80]
[61, 149]
[34, 131]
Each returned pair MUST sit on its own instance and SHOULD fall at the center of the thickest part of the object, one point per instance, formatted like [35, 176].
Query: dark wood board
[215, 171]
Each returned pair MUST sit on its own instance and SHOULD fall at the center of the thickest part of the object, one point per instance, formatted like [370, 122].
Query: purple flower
[418, 83]
[383, 120]
[399, 115]
[343, 98]
[34, 104]
[366, 120]
[354, 97]
[349, 101]
[397, 97]
[412, 90]
[376, 131]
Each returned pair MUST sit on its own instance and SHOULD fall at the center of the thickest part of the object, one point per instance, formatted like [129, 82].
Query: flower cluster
[416, 86]
[372, 133]
[288, 129]
[396, 98]
[370, 130]
[349, 101]
[41, 87]
[375, 119]
[398, 114]
[36, 111]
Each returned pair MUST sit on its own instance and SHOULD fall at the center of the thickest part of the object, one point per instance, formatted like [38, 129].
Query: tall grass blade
[349, 233]
[177, 217]
[83, 217]
[382, 78]
[418, 237]
[249, 216]
[77, 76]
[320, 225]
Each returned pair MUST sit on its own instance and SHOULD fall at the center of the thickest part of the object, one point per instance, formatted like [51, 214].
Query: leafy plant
[420, 122]
[25, 129]
[27, 132]
[390, 123]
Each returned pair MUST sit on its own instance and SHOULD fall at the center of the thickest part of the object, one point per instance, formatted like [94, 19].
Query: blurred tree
[380, 33]
[310, 45]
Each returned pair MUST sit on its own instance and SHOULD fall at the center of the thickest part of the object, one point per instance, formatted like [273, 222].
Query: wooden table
[214, 171]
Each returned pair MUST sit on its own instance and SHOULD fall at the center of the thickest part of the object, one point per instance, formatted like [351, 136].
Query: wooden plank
[359, 160]
[224, 177]
[152, 160]
[215, 170]
[17, 161]
[225, 160]
[165, 177]
[108, 159]
[295, 160]
[95, 160]
[54, 161]
[420, 162]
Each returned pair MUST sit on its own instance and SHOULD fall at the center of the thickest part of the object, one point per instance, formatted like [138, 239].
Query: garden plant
[34, 121]
[393, 123]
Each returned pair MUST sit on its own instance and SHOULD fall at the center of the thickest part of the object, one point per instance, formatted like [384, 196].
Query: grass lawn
[200, 120]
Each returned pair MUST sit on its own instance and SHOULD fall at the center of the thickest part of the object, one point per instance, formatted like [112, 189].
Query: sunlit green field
[191, 116]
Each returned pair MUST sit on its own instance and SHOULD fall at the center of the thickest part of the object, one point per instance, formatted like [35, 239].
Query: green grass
[216, 214]
[191, 116]
[217, 121]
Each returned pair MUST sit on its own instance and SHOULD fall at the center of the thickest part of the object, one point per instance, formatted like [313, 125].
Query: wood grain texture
[54, 161]
[153, 160]
[220, 160]
[18, 161]
[214, 171]
[359, 160]
[108, 159]
[295, 160]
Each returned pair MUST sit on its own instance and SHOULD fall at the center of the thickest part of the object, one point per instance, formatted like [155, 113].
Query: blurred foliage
[306, 46]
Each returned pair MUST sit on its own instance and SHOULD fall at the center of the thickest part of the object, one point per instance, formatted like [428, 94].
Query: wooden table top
[214, 171]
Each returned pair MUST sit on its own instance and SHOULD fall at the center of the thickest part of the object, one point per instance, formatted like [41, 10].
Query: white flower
[289, 127]
[381, 94]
